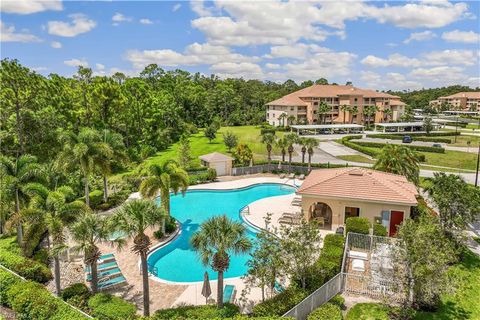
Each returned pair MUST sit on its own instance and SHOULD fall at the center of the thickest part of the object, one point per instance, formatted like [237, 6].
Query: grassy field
[200, 145]
[462, 305]
[462, 141]
[473, 126]
[356, 158]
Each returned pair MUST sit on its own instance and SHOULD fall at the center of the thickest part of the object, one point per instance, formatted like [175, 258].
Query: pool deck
[165, 295]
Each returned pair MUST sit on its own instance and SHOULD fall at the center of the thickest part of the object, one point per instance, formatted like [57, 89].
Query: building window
[351, 212]
[315, 103]
[292, 108]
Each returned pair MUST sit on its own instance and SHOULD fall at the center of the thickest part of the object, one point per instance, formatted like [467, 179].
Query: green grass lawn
[462, 305]
[462, 141]
[368, 311]
[473, 126]
[200, 145]
[356, 158]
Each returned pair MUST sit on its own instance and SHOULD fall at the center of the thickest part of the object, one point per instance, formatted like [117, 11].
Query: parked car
[407, 139]
[436, 145]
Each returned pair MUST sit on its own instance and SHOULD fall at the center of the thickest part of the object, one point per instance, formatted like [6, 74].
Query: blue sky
[382, 45]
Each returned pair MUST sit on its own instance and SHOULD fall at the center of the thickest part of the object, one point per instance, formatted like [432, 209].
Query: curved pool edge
[245, 221]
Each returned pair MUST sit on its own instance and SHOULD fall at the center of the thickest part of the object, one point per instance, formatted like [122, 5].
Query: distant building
[302, 106]
[468, 101]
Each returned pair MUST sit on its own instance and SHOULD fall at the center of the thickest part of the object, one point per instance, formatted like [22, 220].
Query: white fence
[317, 298]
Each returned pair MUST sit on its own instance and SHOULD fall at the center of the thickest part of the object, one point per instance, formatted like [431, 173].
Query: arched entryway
[321, 213]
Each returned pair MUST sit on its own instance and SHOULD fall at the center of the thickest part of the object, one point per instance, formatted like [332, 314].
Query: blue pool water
[177, 261]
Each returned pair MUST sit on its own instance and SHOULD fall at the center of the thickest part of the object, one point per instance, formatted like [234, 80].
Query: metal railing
[317, 298]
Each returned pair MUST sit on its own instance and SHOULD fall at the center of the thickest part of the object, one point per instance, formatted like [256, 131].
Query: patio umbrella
[206, 290]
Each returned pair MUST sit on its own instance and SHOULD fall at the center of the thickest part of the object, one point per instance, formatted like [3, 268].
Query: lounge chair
[282, 176]
[229, 293]
[290, 220]
[358, 265]
[301, 177]
[103, 266]
[111, 282]
[358, 255]
[291, 176]
[104, 274]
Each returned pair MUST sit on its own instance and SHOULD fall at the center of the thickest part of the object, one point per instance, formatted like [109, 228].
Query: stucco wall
[225, 164]
[368, 210]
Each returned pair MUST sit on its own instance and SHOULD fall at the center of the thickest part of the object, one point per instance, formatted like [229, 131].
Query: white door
[220, 168]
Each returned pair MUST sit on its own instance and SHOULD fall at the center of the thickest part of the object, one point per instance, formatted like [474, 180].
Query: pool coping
[179, 230]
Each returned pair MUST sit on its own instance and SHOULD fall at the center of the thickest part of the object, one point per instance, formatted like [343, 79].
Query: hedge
[109, 307]
[197, 312]
[11, 258]
[328, 311]
[329, 263]
[379, 230]
[346, 142]
[281, 303]
[415, 138]
[32, 301]
[338, 300]
[415, 148]
[357, 225]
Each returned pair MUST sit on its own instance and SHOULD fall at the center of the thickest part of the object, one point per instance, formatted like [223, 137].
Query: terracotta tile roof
[468, 95]
[359, 183]
[215, 157]
[397, 103]
[327, 91]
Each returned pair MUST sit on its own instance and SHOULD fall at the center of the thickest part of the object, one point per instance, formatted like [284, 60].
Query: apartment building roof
[468, 95]
[360, 184]
[327, 91]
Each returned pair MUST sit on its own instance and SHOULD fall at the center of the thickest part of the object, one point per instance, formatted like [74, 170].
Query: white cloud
[76, 62]
[388, 81]
[176, 7]
[80, 24]
[433, 58]
[272, 66]
[39, 69]
[461, 36]
[29, 6]
[100, 66]
[55, 44]
[8, 34]
[295, 51]
[146, 21]
[199, 8]
[280, 22]
[439, 74]
[420, 36]
[194, 54]
[117, 18]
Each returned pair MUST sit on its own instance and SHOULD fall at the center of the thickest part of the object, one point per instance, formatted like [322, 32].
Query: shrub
[96, 198]
[328, 311]
[108, 307]
[334, 240]
[280, 303]
[198, 312]
[379, 230]
[158, 234]
[211, 174]
[412, 147]
[431, 138]
[338, 300]
[7, 280]
[76, 289]
[41, 256]
[11, 258]
[170, 225]
[267, 130]
[358, 225]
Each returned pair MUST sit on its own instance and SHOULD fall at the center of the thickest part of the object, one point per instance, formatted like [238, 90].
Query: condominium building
[319, 104]
[468, 101]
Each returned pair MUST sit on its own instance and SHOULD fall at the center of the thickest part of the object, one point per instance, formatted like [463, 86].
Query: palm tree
[388, 113]
[344, 108]
[282, 118]
[268, 140]
[353, 112]
[87, 232]
[134, 218]
[323, 109]
[282, 143]
[292, 138]
[58, 209]
[303, 143]
[18, 174]
[115, 142]
[84, 150]
[399, 160]
[369, 111]
[291, 119]
[218, 238]
[310, 143]
[164, 178]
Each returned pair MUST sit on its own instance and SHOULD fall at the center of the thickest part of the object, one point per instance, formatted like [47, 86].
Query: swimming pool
[177, 262]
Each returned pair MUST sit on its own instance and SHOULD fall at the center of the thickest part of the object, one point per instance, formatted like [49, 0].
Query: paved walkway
[422, 143]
